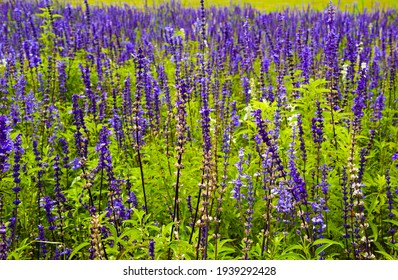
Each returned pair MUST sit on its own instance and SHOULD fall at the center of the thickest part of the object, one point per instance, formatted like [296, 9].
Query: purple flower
[264, 136]
[41, 237]
[378, 107]
[62, 254]
[18, 152]
[115, 207]
[301, 138]
[246, 89]
[317, 125]
[285, 201]
[346, 205]
[62, 80]
[131, 200]
[151, 250]
[234, 116]
[48, 205]
[32, 52]
[30, 106]
[3, 242]
[6, 144]
[59, 196]
[117, 125]
[238, 184]
[127, 103]
[65, 151]
[360, 99]
[78, 121]
[394, 158]
[75, 163]
[88, 89]
[299, 190]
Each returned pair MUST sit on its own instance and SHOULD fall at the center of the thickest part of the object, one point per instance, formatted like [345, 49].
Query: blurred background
[260, 4]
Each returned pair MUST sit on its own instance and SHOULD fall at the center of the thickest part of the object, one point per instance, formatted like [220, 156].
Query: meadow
[350, 5]
[197, 132]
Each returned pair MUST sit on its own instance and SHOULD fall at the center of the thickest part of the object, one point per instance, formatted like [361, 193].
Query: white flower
[292, 120]
[344, 71]
[248, 111]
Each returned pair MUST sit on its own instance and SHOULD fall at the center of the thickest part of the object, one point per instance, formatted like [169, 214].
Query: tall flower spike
[96, 250]
[390, 201]
[151, 250]
[3, 242]
[48, 205]
[18, 152]
[317, 125]
[42, 241]
[6, 144]
[139, 122]
[378, 108]
[181, 135]
[302, 142]
[331, 58]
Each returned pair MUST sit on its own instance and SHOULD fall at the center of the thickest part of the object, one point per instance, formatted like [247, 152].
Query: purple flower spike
[6, 144]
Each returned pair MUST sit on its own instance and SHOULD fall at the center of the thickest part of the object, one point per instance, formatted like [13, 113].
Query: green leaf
[290, 256]
[387, 256]
[78, 248]
[133, 234]
[392, 222]
[327, 243]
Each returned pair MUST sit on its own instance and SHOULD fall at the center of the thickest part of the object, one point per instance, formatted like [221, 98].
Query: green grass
[261, 4]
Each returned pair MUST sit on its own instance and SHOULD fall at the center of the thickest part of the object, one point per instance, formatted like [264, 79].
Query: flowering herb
[221, 133]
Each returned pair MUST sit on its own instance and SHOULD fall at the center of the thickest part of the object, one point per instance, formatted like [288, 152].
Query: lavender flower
[17, 188]
[317, 125]
[378, 107]
[6, 144]
[59, 196]
[115, 208]
[151, 250]
[61, 253]
[65, 151]
[30, 106]
[117, 125]
[131, 200]
[394, 158]
[238, 184]
[88, 89]
[62, 80]
[78, 120]
[299, 190]
[41, 237]
[48, 205]
[3, 242]
[246, 89]
[18, 152]
[360, 99]
[302, 142]
[285, 205]
[346, 205]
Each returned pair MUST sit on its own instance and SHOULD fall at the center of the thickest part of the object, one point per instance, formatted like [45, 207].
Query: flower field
[202, 132]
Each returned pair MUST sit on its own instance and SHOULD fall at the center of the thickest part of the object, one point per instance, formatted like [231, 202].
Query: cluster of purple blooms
[117, 122]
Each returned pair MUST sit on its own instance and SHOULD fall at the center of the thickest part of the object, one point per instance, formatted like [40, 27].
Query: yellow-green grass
[265, 5]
